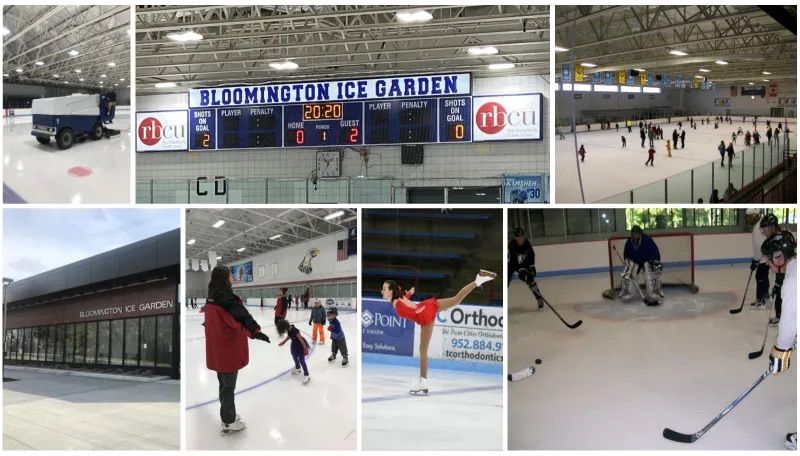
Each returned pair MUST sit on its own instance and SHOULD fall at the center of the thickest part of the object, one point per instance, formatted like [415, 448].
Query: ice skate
[344, 361]
[419, 386]
[774, 321]
[230, 428]
[483, 277]
[540, 305]
[791, 441]
[295, 371]
[306, 379]
[331, 358]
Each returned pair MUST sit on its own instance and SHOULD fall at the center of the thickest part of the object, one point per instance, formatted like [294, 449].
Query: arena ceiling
[327, 41]
[253, 228]
[750, 39]
[38, 39]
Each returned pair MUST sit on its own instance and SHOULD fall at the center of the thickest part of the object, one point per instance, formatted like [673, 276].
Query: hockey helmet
[332, 311]
[769, 219]
[783, 242]
[636, 229]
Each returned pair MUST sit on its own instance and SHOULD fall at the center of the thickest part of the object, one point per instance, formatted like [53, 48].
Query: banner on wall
[597, 77]
[468, 333]
[523, 189]
[725, 102]
[754, 90]
[609, 77]
[382, 331]
[507, 117]
[621, 77]
[630, 79]
[773, 90]
[566, 72]
[161, 131]
[643, 78]
[305, 264]
[242, 273]
[335, 90]
[578, 73]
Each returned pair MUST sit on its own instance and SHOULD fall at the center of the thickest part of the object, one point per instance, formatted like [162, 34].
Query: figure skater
[424, 314]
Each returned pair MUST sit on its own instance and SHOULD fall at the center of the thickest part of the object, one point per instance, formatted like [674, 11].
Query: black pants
[339, 345]
[227, 407]
[777, 289]
[762, 281]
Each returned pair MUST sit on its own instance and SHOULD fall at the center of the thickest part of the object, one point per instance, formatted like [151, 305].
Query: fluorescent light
[240, 249]
[81, 79]
[272, 238]
[720, 62]
[112, 64]
[165, 85]
[697, 76]
[185, 36]
[482, 50]
[583, 87]
[191, 241]
[116, 85]
[588, 65]
[121, 79]
[334, 215]
[56, 76]
[6, 31]
[73, 52]
[629, 89]
[605, 88]
[639, 69]
[287, 65]
[18, 70]
[219, 223]
[677, 52]
[750, 83]
[78, 70]
[408, 16]
[5, 75]
[765, 80]
[703, 70]
[501, 66]
[765, 72]
[39, 63]
[103, 76]
[651, 89]
[219, 257]
[560, 49]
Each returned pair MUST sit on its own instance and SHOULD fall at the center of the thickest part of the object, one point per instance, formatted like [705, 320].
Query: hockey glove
[779, 359]
[330, 328]
[261, 336]
[753, 265]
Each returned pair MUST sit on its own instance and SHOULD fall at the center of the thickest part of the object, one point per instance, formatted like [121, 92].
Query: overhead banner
[242, 273]
[507, 117]
[773, 90]
[336, 90]
[754, 90]
[578, 73]
[643, 78]
[621, 77]
[609, 77]
[161, 131]
[523, 190]
[726, 102]
[566, 72]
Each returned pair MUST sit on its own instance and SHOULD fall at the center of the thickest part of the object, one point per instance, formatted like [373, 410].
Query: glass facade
[132, 342]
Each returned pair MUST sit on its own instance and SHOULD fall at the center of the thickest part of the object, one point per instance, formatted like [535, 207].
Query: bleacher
[437, 252]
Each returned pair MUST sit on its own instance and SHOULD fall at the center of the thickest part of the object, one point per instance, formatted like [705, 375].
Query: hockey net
[677, 259]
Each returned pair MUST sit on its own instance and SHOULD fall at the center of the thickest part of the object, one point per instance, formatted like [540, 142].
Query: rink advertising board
[508, 117]
[468, 333]
[160, 131]
[382, 331]
[523, 189]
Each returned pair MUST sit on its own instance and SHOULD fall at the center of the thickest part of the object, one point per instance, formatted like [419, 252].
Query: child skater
[424, 314]
[338, 343]
[299, 347]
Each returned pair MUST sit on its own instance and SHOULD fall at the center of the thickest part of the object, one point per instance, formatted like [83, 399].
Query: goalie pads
[628, 282]
[652, 275]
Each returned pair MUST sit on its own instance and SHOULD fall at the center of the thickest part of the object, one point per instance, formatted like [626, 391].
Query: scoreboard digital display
[323, 124]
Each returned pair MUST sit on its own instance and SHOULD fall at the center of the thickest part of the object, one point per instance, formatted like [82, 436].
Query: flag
[341, 250]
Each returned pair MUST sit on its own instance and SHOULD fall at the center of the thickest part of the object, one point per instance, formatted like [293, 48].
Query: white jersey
[758, 239]
[787, 328]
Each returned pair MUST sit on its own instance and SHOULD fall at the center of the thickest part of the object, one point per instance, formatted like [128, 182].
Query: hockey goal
[677, 259]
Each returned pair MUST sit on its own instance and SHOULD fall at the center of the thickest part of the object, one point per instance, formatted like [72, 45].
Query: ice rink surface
[610, 169]
[280, 412]
[88, 172]
[628, 372]
[463, 410]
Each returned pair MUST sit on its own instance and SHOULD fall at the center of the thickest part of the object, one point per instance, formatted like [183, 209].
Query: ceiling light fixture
[39, 63]
[334, 215]
[482, 50]
[184, 37]
[240, 249]
[287, 65]
[501, 66]
[73, 52]
[720, 62]
[410, 16]
[560, 49]
[589, 65]
[677, 52]
[191, 241]
[703, 70]
[219, 223]
[272, 238]
[165, 85]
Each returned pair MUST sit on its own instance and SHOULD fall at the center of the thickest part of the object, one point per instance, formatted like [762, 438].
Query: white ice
[463, 411]
[610, 170]
[280, 412]
[616, 383]
[40, 173]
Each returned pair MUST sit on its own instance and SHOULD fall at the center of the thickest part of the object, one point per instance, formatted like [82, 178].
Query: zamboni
[69, 119]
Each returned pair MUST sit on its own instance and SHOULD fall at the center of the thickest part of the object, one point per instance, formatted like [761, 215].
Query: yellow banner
[621, 77]
[643, 78]
[697, 83]
[578, 73]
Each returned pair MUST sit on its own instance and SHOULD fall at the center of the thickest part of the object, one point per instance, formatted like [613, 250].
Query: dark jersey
[520, 256]
[645, 250]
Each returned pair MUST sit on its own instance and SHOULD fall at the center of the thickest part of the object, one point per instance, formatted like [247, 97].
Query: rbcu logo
[492, 117]
[367, 319]
[151, 131]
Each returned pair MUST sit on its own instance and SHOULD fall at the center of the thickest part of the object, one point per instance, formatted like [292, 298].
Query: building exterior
[117, 311]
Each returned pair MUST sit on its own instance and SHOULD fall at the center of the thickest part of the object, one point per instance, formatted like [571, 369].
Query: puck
[538, 361]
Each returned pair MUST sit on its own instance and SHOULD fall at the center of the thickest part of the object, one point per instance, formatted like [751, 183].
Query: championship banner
[578, 73]
[609, 77]
[566, 72]
[621, 77]
[382, 331]
[643, 78]
[630, 80]
[467, 333]
[597, 78]
[336, 90]
[242, 273]
[773, 90]
[650, 79]
[523, 190]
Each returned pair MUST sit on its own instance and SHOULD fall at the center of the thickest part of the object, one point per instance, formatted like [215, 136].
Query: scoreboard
[323, 124]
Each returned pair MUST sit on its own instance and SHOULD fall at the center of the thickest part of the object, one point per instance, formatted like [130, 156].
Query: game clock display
[323, 124]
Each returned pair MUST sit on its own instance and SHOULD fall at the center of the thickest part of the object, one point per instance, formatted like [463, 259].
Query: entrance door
[776, 112]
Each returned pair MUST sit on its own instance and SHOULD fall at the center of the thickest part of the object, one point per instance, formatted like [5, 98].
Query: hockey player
[770, 226]
[641, 253]
[780, 251]
[522, 261]
[759, 263]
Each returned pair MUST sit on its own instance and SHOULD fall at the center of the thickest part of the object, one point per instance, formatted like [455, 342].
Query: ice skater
[669, 149]
[299, 347]
[651, 155]
[683, 139]
[758, 263]
[227, 325]
[582, 153]
[624, 141]
[770, 226]
[780, 251]
[338, 342]
[721, 148]
[424, 314]
[316, 321]
[731, 154]
[281, 305]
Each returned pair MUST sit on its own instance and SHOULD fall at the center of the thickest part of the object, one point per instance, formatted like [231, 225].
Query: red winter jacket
[281, 306]
[226, 336]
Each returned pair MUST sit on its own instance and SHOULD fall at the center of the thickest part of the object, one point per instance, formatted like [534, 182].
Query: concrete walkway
[53, 411]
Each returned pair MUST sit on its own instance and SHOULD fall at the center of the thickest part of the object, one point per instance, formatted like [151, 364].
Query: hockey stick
[691, 438]
[524, 373]
[538, 295]
[747, 287]
[756, 354]
[635, 283]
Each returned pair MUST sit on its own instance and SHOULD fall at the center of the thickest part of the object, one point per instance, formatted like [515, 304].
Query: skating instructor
[228, 325]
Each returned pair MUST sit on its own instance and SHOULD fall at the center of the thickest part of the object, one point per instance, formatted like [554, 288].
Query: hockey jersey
[645, 251]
